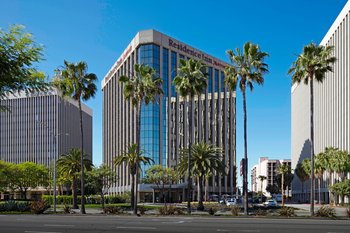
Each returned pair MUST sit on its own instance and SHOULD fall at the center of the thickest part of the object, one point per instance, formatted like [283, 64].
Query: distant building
[331, 108]
[268, 168]
[41, 126]
[164, 126]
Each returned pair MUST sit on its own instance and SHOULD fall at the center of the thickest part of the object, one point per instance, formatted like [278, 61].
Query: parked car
[270, 203]
[234, 202]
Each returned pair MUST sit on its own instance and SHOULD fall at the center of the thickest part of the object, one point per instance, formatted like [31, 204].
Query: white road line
[246, 230]
[173, 222]
[57, 225]
[41, 232]
[144, 228]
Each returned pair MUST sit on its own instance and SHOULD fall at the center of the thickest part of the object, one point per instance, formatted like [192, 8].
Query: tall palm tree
[133, 157]
[190, 81]
[312, 64]
[75, 82]
[320, 168]
[69, 167]
[247, 68]
[261, 178]
[283, 169]
[142, 88]
[204, 158]
[306, 164]
[301, 174]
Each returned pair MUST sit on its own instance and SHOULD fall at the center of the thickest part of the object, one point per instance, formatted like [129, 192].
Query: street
[133, 224]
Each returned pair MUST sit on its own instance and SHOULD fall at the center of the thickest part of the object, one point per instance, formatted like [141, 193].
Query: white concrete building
[268, 168]
[331, 107]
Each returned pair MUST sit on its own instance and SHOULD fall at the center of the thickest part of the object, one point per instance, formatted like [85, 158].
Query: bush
[325, 211]
[66, 209]
[286, 212]
[348, 212]
[212, 210]
[170, 210]
[39, 207]
[260, 212]
[112, 210]
[235, 210]
[68, 199]
[16, 206]
[142, 209]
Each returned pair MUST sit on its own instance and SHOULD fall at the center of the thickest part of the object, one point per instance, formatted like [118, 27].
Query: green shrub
[39, 207]
[212, 210]
[260, 212]
[67, 209]
[325, 211]
[68, 199]
[15, 206]
[286, 212]
[112, 210]
[142, 209]
[235, 210]
[170, 210]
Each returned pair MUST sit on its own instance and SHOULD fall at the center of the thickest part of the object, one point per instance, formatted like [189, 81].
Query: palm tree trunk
[302, 190]
[132, 199]
[138, 127]
[75, 194]
[103, 200]
[312, 193]
[282, 184]
[200, 193]
[82, 209]
[319, 190]
[189, 161]
[245, 162]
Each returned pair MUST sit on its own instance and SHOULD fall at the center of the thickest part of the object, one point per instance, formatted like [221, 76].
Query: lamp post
[54, 137]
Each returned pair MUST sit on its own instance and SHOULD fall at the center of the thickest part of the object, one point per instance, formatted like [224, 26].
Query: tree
[340, 163]
[75, 82]
[204, 158]
[133, 157]
[142, 88]
[18, 52]
[306, 165]
[312, 64]
[68, 166]
[27, 175]
[190, 81]
[302, 175]
[342, 189]
[100, 180]
[283, 169]
[272, 189]
[320, 167]
[246, 69]
[161, 177]
[4, 181]
[261, 178]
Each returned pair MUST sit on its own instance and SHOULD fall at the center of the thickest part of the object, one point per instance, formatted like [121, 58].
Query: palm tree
[75, 82]
[306, 164]
[190, 81]
[142, 88]
[312, 64]
[133, 157]
[69, 167]
[204, 158]
[320, 167]
[283, 169]
[301, 173]
[247, 68]
[261, 178]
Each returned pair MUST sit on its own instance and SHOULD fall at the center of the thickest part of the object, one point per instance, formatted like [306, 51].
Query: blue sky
[98, 31]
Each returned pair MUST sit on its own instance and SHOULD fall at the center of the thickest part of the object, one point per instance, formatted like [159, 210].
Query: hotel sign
[118, 63]
[195, 53]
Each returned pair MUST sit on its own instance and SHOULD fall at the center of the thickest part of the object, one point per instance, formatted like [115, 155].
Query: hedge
[68, 200]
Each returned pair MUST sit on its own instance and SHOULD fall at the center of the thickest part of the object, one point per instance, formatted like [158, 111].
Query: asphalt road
[133, 224]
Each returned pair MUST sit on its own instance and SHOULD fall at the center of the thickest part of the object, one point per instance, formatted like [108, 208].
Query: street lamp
[54, 137]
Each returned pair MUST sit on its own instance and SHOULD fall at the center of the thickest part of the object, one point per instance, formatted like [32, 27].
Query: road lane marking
[57, 225]
[246, 230]
[174, 222]
[141, 228]
[41, 232]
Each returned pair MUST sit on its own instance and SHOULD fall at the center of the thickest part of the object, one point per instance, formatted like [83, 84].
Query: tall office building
[268, 168]
[164, 126]
[331, 107]
[41, 126]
